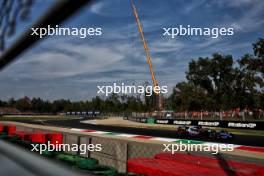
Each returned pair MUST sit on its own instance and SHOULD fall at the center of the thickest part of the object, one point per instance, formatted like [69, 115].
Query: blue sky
[72, 68]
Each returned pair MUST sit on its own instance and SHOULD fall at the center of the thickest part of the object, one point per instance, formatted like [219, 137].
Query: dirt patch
[127, 123]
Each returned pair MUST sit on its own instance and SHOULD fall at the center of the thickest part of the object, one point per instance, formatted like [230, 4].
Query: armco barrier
[206, 123]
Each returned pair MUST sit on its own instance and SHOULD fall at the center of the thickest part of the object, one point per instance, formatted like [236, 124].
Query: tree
[187, 97]
[253, 67]
[23, 104]
[37, 105]
[3, 103]
[11, 102]
[214, 75]
[221, 83]
[97, 104]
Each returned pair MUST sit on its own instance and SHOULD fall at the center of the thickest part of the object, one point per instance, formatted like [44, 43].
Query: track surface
[239, 139]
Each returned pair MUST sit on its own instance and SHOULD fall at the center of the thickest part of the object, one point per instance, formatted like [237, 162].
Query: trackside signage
[180, 122]
[162, 121]
[242, 125]
[207, 123]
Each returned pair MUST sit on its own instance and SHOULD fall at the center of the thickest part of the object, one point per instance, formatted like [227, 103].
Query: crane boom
[155, 83]
[158, 102]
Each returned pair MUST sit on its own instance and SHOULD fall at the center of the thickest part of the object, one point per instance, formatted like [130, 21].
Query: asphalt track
[248, 140]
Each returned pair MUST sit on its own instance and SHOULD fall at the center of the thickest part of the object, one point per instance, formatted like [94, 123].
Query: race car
[204, 132]
[182, 131]
[223, 134]
[194, 131]
[208, 133]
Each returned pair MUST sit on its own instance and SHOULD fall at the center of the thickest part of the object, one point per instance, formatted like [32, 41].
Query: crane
[158, 102]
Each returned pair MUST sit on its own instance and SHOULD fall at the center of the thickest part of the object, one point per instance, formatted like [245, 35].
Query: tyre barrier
[87, 164]
[103, 171]
[1, 128]
[25, 139]
[2, 132]
[21, 134]
[38, 138]
[47, 153]
[67, 158]
[7, 132]
[3, 135]
[11, 129]
[55, 138]
[13, 139]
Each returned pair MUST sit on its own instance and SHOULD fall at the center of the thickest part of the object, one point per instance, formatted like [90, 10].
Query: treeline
[221, 83]
[217, 83]
[113, 103]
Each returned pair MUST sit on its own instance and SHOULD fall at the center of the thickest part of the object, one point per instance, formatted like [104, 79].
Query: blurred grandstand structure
[9, 111]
